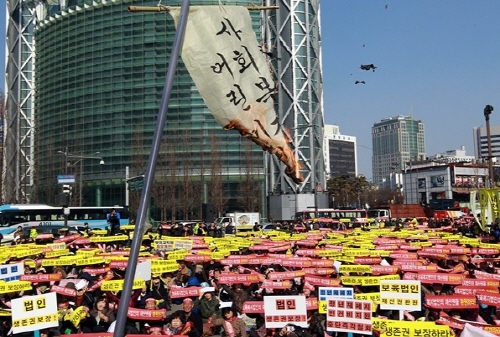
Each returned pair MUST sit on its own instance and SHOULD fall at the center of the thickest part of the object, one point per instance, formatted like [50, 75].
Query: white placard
[400, 295]
[282, 310]
[32, 313]
[349, 316]
[11, 272]
[143, 271]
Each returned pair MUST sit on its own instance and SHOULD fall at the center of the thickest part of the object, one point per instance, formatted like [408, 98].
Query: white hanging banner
[222, 55]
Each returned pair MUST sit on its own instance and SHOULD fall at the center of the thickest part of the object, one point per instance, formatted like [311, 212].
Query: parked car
[266, 227]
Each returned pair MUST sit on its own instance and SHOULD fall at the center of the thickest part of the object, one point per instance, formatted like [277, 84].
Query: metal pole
[127, 195]
[487, 112]
[81, 181]
[121, 316]
[66, 161]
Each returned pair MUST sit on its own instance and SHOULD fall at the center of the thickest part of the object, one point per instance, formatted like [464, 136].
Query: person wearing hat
[188, 315]
[82, 297]
[207, 303]
[159, 292]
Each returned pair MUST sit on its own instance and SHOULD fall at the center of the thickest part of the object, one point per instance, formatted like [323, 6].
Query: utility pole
[487, 112]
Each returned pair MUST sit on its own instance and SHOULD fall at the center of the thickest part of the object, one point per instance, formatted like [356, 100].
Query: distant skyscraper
[481, 142]
[339, 152]
[395, 141]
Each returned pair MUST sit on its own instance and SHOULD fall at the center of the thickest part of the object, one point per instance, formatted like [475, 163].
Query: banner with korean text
[32, 313]
[400, 295]
[349, 316]
[282, 310]
[222, 55]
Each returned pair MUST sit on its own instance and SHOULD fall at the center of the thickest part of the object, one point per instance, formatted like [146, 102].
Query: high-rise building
[95, 83]
[481, 142]
[395, 141]
[340, 153]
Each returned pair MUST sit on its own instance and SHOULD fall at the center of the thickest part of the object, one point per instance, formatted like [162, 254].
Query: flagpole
[162, 8]
[121, 316]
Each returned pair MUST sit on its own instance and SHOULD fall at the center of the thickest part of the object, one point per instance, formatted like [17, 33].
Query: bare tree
[163, 187]
[171, 180]
[249, 192]
[189, 189]
[216, 195]
[139, 160]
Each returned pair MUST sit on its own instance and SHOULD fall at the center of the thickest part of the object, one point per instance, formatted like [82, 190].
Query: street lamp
[80, 158]
[487, 112]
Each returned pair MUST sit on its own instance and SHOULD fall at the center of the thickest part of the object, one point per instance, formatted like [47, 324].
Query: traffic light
[66, 189]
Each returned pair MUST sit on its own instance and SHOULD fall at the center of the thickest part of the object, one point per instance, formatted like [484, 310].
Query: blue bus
[32, 215]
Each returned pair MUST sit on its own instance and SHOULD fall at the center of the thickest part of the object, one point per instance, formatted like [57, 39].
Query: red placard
[322, 281]
[418, 268]
[68, 238]
[288, 275]
[470, 282]
[409, 256]
[96, 271]
[40, 277]
[451, 302]
[233, 278]
[486, 276]
[367, 260]
[81, 241]
[464, 290]
[253, 307]
[384, 270]
[486, 251]
[184, 292]
[118, 264]
[276, 285]
[197, 258]
[489, 298]
[63, 291]
[146, 315]
[320, 271]
[232, 262]
[429, 278]
[405, 262]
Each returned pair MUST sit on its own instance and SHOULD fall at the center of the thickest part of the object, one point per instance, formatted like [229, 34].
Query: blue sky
[437, 60]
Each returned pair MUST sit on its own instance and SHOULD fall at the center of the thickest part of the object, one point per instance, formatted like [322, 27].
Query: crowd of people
[196, 300]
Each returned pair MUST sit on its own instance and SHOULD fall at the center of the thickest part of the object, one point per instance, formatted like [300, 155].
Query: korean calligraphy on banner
[282, 310]
[400, 295]
[221, 53]
[32, 313]
[349, 316]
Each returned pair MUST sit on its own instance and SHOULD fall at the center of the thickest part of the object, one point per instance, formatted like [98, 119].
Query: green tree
[346, 191]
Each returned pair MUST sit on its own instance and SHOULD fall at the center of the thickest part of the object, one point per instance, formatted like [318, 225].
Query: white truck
[244, 221]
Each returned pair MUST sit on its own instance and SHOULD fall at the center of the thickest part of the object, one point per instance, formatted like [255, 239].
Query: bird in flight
[360, 82]
[368, 67]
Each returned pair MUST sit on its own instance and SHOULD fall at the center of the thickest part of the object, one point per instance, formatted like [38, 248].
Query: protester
[232, 325]
[207, 303]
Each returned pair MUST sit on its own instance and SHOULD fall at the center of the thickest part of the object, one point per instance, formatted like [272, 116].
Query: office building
[481, 142]
[395, 141]
[340, 153]
[95, 84]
